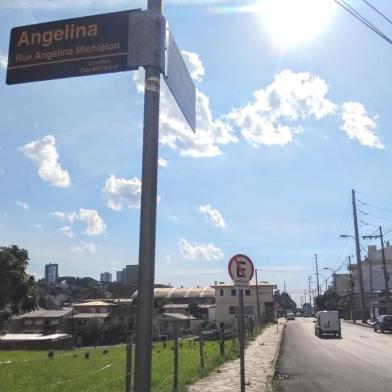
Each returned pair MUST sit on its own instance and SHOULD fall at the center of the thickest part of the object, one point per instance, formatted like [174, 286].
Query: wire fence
[176, 364]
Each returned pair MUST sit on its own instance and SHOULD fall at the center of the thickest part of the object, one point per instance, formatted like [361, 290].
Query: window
[236, 310]
[221, 292]
[28, 322]
[233, 292]
[247, 292]
[38, 322]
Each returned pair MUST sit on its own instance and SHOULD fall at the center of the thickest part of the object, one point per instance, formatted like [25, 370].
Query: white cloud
[3, 61]
[37, 226]
[2, 171]
[213, 216]
[23, 205]
[44, 154]
[162, 162]
[94, 223]
[358, 125]
[269, 118]
[83, 247]
[58, 214]
[272, 118]
[120, 192]
[172, 218]
[67, 231]
[199, 252]
[194, 65]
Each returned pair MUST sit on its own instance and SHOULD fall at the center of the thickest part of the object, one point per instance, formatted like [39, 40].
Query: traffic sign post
[114, 42]
[241, 271]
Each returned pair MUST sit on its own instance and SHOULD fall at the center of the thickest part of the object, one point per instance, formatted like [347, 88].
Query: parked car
[383, 323]
[327, 322]
[290, 316]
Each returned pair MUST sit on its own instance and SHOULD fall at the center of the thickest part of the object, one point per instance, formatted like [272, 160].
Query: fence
[176, 363]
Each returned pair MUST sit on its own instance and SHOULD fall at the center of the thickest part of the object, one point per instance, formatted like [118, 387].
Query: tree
[17, 288]
[330, 300]
[284, 301]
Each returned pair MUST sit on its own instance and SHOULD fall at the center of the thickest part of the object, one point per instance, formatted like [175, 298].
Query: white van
[327, 322]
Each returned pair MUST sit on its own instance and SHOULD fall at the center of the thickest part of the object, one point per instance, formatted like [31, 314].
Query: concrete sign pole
[242, 340]
[144, 321]
[241, 270]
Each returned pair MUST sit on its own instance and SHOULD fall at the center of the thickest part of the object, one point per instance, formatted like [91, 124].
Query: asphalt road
[359, 362]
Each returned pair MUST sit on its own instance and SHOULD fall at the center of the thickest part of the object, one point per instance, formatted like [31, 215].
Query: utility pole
[257, 300]
[310, 293]
[359, 263]
[351, 288]
[284, 286]
[384, 264]
[317, 275]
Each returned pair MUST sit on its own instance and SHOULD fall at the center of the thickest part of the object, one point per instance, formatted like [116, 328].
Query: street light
[351, 236]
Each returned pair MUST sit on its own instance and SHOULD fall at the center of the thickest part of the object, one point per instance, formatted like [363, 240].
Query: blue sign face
[71, 47]
[180, 82]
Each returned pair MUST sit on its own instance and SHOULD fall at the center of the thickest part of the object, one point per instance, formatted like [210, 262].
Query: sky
[293, 111]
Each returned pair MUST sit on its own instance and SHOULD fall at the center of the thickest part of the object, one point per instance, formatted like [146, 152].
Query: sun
[292, 22]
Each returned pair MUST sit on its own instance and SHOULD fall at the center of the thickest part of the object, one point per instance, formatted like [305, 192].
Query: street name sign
[241, 270]
[71, 47]
[98, 44]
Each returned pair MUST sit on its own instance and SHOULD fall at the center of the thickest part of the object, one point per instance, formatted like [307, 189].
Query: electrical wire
[375, 197]
[374, 206]
[379, 12]
[362, 19]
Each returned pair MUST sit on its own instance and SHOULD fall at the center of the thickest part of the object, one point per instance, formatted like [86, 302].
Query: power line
[374, 206]
[380, 217]
[379, 12]
[362, 19]
[375, 197]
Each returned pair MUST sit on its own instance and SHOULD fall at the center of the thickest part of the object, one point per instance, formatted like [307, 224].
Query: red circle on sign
[234, 260]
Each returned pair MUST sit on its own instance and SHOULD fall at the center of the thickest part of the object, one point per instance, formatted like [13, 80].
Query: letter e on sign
[241, 270]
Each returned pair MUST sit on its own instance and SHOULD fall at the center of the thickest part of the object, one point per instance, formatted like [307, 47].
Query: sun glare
[291, 22]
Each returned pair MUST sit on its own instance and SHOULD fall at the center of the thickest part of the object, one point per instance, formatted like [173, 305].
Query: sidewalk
[260, 360]
[368, 325]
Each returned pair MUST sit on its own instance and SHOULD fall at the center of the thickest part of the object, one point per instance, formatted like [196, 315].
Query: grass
[28, 371]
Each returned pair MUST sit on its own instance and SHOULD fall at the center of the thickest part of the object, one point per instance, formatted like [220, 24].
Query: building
[131, 274]
[106, 277]
[42, 321]
[51, 273]
[373, 282]
[120, 276]
[111, 317]
[341, 283]
[227, 303]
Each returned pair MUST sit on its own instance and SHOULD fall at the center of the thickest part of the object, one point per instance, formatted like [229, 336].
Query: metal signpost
[114, 42]
[241, 271]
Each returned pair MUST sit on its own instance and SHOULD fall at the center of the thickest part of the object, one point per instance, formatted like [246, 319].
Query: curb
[273, 363]
[360, 324]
